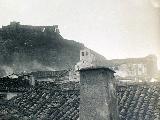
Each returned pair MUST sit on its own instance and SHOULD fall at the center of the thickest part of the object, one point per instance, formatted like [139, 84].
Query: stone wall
[97, 95]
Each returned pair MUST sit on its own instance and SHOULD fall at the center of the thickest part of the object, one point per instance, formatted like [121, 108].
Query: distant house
[56, 76]
[89, 58]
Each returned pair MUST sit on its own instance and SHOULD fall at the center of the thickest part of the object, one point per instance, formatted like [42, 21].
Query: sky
[113, 28]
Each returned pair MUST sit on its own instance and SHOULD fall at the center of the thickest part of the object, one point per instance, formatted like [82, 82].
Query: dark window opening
[82, 53]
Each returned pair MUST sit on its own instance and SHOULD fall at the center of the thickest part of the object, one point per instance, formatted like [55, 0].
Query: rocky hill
[31, 48]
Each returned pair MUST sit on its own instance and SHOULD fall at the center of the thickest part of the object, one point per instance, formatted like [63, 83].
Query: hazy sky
[114, 28]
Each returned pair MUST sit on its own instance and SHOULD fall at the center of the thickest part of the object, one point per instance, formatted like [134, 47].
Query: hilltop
[31, 48]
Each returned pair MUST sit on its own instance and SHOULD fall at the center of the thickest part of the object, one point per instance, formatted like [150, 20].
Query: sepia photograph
[79, 59]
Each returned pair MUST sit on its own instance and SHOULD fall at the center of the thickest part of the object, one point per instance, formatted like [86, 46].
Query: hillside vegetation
[32, 48]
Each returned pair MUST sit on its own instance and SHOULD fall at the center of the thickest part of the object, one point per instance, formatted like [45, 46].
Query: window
[82, 53]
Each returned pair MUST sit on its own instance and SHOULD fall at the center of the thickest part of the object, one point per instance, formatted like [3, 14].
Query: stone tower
[97, 94]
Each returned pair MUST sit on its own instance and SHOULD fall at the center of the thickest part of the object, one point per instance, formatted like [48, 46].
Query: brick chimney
[97, 94]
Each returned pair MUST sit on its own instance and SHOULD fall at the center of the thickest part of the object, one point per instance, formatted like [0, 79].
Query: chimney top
[96, 68]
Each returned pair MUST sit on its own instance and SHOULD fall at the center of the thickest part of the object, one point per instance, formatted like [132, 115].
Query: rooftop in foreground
[136, 102]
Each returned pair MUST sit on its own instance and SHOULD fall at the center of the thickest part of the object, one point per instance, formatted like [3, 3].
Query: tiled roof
[48, 105]
[136, 102]
[139, 102]
[13, 85]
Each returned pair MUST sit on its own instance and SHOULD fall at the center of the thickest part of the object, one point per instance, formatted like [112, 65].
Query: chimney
[32, 80]
[97, 94]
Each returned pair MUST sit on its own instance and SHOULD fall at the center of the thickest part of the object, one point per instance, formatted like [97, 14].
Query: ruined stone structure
[142, 69]
[134, 69]
[14, 25]
[97, 94]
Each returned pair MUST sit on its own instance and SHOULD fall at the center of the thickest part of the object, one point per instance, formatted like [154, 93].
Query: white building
[89, 58]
